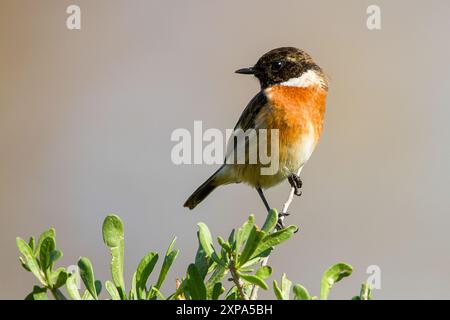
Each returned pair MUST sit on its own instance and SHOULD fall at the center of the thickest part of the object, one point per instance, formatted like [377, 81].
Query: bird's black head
[280, 65]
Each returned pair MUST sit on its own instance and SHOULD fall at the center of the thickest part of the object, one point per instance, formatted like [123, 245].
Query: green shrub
[240, 260]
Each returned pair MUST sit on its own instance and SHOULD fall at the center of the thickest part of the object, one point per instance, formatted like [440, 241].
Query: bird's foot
[280, 223]
[296, 183]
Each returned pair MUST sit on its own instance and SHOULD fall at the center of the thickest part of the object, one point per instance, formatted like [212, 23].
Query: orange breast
[295, 112]
[298, 114]
[295, 109]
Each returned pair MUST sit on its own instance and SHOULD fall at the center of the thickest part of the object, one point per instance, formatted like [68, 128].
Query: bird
[292, 100]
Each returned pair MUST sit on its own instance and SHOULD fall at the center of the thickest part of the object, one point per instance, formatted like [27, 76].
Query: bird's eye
[276, 65]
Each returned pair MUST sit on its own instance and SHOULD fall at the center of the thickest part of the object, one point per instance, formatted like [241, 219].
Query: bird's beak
[250, 70]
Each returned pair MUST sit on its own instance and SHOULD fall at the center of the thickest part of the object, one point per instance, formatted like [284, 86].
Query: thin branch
[255, 288]
[237, 281]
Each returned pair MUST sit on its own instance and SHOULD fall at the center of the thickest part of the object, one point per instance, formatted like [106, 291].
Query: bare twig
[254, 293]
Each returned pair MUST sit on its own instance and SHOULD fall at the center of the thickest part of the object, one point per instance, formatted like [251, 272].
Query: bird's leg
[296, 183]
[263, 198]
[280, 224]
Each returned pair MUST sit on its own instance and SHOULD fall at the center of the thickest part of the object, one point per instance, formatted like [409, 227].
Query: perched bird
[292, 99]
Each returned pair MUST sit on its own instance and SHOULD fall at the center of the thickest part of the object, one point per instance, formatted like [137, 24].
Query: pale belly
[291, 157]
[297, 113]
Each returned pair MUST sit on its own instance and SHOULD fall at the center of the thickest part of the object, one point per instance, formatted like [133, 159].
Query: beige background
[86, 118]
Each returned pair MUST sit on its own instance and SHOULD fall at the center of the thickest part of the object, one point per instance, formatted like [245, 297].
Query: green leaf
[218, 289]
[50, 233]
[224, 244]
[271, 221]
[168, 261]
[113, 236]
[274, 239]
[30, 260]
[204, 235]
[112, 290]
[58, 278]
[283, 292]
[285, 286]
[248, 290]
[258, 259]
[253, 279]
[143, 272]
[264, 272]
[205, 238]
[37, 294]
[113, 233]
[219, 272]
[252, 243]
[169, 258]
[202, 262]
[232, 294]
[244, 232]
[55, 255]
[98, 287]
[333, 275]
[154, 293]
[47, 246]
[31, 243]
[24, 264]
[133, 292]
[277, 290]
[87, 296]
[72, 286]
[232, 239]
[246, 270]
[300, 293]
[195, 283]
[87, 275]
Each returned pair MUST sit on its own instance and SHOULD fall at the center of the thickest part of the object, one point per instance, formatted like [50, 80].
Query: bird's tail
[202, 192]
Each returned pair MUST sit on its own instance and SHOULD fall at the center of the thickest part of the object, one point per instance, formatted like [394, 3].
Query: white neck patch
[307, 79]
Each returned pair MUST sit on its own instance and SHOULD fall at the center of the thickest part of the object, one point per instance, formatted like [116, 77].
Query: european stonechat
[292, 99]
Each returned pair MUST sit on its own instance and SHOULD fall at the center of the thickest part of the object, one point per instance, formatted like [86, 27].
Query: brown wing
[248, 116]
[246, 121]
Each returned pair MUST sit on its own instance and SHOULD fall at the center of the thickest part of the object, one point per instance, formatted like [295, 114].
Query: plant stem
[254, 293]
[365, 291]
[237, 281]
[57, 294]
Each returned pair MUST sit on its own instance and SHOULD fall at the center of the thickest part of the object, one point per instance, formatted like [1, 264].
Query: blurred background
[86, 118]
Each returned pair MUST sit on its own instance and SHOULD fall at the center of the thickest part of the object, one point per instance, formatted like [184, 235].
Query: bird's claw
[296, 183]
[280, 224]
